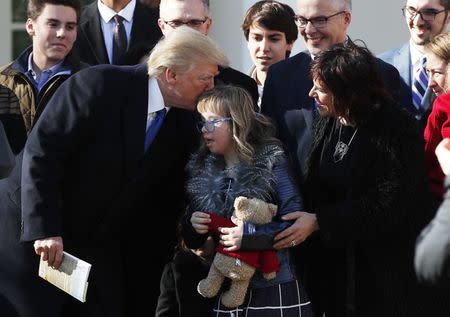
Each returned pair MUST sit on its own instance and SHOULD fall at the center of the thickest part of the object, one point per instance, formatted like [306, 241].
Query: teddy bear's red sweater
[265, 260]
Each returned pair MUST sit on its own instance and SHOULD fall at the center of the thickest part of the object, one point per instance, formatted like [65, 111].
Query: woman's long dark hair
[350, 72]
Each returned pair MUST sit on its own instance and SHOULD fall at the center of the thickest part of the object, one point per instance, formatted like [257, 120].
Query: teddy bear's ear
[240, 202]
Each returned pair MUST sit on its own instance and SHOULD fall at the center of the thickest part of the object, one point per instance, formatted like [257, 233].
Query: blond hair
[249, 128]
[183, 50]
[439, 46]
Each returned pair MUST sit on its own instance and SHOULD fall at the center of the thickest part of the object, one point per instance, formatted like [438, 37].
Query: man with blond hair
[109, 152]
[195, 14]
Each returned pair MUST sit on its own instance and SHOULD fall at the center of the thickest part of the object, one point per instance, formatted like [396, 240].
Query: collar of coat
[211, 189]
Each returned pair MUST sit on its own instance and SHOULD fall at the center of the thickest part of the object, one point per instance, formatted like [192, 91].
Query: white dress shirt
[415, 60]
[107, 21]
[155, 100]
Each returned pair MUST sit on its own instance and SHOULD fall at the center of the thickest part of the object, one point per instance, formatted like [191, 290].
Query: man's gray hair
[163, 3]
[183, 50]
[340, 5]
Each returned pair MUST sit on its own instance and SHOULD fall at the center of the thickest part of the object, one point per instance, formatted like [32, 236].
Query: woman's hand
[200, 221]
[231, 238]
[305, 224]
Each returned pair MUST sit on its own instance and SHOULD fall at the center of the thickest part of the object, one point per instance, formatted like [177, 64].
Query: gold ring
[293, 243]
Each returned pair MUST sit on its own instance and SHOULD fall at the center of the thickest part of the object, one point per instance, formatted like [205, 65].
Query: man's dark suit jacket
[286, 101]
[22, 292]
[231, 76]
[90, 45]
[86, 178]
[6, 155]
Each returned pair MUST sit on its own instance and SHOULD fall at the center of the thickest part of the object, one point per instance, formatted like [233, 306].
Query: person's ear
[347, 17]
[208, 25]
[161, 25]
[171, 76]
[29, 26]
[290, 46]
[447, 21]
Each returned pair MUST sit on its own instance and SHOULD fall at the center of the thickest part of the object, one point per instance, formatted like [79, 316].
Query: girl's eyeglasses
[211, 125]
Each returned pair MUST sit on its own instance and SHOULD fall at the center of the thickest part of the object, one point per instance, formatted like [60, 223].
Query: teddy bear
[239, 266]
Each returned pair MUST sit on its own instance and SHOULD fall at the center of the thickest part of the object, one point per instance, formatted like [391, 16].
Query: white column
[380, 24]
[5, 31]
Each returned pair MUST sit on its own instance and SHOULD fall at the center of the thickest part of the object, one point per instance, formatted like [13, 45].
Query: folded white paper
[71, 277]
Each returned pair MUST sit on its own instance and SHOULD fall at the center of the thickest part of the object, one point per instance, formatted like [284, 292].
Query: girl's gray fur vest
[212, 188]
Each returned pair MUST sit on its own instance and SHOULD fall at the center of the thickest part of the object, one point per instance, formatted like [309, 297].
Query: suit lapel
[163, 139]
[165, 149]
[137, 34]
[403, 62]
[310, 109]
[92, 30]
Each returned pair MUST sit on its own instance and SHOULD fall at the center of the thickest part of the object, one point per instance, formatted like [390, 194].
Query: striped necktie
[420, 84]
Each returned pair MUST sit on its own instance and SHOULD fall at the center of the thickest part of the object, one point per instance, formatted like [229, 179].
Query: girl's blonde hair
[249, 128]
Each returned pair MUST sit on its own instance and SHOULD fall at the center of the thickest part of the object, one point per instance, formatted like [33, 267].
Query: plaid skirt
[282, 300]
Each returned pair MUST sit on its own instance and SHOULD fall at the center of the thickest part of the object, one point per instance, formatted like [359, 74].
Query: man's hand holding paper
[50, 250]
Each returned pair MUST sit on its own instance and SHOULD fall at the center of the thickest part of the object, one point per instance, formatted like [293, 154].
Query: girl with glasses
[241, 157]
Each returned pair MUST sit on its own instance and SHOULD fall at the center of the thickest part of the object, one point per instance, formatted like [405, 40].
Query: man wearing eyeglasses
[425, 20]
[195, 14]
[118, 32]
[321, 23]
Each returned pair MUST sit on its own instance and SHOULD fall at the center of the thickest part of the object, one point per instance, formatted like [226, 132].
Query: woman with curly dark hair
[366, 192]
